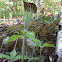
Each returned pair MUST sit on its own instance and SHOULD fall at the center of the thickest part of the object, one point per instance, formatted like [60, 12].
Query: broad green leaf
[5, 56]
[1, 55]
[37, 41]
[47, 18]
[13, 54]
[47, 45]
[20, 57]
[13, 38]
[30, 34]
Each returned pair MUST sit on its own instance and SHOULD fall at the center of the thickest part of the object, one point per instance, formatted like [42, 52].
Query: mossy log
[43, 31]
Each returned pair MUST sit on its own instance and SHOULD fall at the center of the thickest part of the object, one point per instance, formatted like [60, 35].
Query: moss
[39, 27]
[14, 28]
[10, 46]
[45, 32]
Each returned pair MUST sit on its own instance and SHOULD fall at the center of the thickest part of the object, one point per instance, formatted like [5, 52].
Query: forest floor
[45, 31]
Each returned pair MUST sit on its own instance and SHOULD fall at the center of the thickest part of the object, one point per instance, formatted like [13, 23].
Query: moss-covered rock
[43, 31]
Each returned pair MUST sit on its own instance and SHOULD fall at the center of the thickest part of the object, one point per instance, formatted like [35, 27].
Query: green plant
[28, 7]
[47, 18]
[13, 55]
[27, 17]
[31, 35]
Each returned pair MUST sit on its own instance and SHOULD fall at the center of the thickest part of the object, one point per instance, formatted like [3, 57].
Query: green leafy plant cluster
[30, 35]
[13, 55]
